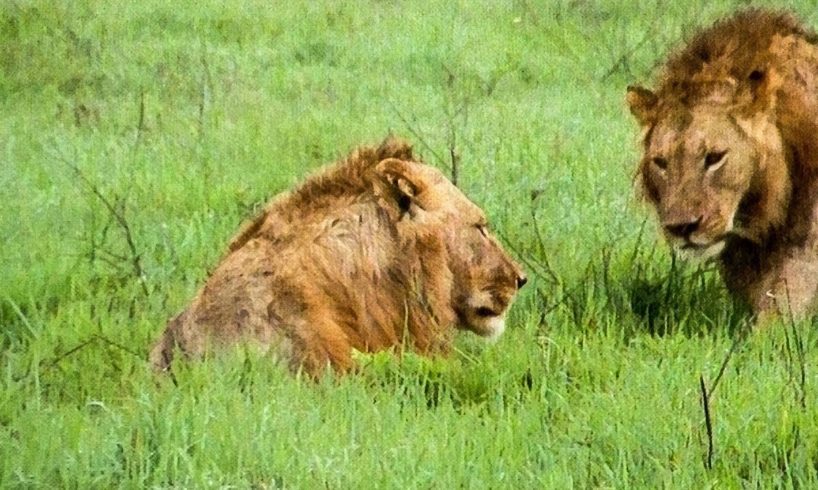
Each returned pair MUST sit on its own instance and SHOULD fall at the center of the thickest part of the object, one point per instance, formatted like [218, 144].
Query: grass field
[136, 136]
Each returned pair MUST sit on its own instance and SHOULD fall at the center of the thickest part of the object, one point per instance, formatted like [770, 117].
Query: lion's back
[296, 278]
[232, 305]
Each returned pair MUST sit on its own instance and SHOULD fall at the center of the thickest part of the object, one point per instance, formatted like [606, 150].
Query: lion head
[711, 171]
[484, 278]
[714, 164]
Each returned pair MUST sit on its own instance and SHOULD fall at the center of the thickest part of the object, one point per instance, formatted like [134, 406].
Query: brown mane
[730, 60]
[348, 178]
[730, 48]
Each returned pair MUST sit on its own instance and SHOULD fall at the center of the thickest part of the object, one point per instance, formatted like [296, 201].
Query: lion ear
[402, 183]
[642, 103]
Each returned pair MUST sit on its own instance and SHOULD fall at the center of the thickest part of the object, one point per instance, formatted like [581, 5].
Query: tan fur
[731, 155]
[377, 251]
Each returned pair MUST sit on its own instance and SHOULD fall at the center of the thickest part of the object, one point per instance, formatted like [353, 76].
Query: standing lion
[377, 251]
[730, 163]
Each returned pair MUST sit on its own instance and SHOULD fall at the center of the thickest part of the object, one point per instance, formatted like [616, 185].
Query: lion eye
[713, 158]
[483, 230]
[660, 162]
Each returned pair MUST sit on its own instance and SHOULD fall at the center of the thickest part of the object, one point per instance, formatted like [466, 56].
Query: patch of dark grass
[648, 290]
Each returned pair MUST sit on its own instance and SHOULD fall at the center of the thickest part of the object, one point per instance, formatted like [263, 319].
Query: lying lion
[377, 251]
[730, 157]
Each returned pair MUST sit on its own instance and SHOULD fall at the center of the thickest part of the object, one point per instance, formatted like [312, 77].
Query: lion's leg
[161, 354]
[180, 335]
[789, 290]
[797, 286]
[317, 344]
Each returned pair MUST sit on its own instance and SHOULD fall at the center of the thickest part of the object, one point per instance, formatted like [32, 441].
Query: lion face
[697, 169]
[711, 173]
[484, 279]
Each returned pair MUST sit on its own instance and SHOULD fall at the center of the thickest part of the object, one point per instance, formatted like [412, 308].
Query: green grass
[186, 117]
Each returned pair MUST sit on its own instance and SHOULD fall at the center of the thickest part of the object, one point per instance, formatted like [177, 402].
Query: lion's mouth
[488, 323]
[486, 320]
[703, 251]
[698, 246]
[486, 312]
[483, 312]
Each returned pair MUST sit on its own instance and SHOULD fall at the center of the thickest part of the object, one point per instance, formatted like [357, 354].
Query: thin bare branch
[736, 341]
[140, 122]
[415, 132]
[707, 423]
[117, 210]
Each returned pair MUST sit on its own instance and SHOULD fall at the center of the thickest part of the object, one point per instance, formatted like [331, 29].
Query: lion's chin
[701, 253]
[491, 328]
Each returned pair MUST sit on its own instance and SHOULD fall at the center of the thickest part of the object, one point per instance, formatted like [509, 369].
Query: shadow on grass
[645, 290]
[687, 298]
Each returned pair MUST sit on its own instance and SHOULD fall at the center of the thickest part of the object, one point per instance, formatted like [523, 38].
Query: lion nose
[521, 280]
[683, 229]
